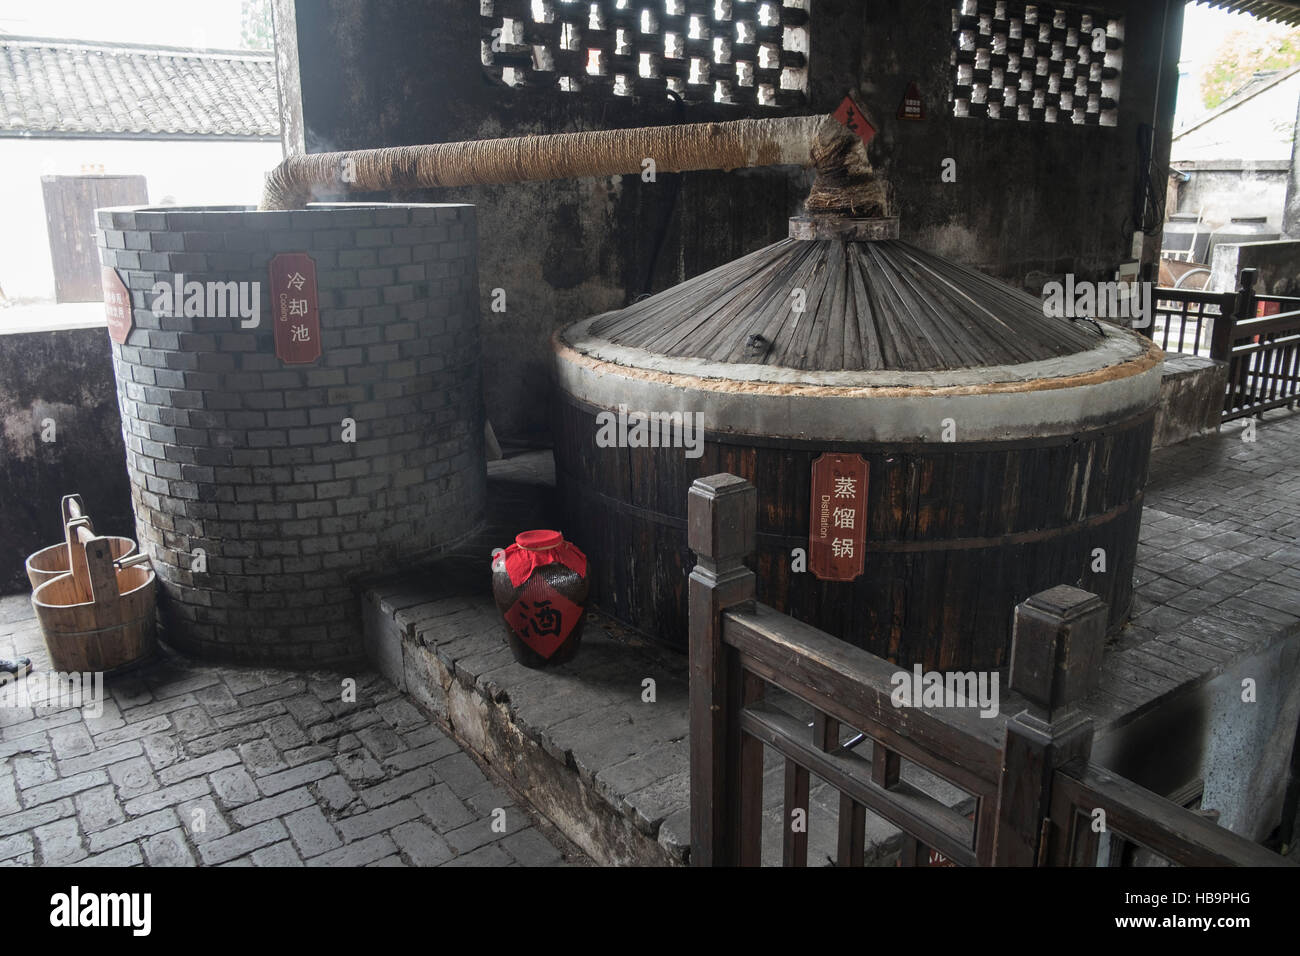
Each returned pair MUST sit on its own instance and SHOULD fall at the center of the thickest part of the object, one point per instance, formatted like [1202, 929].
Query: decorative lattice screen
[747, 52]
[1036, 62]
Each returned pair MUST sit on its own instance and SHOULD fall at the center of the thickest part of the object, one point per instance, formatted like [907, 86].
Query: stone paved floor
[1221, 533]
[1218, 578]
[193, 764]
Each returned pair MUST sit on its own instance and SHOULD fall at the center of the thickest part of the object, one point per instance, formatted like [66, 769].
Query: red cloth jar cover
[532, 549]
[540, 586]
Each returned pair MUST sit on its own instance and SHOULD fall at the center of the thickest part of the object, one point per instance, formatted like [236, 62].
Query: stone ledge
[610, 770]
[622, 796]
[1191, 398]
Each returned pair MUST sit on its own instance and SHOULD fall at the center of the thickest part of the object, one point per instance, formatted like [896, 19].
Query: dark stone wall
[64, 375]
[1028, 197]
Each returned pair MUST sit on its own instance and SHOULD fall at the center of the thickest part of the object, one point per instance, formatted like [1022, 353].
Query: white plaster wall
[1260, 128]
[188, 172]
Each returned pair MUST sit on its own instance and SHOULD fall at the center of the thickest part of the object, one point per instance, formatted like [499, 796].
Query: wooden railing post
[1243, 307]
[720, 519]
[1056, 653]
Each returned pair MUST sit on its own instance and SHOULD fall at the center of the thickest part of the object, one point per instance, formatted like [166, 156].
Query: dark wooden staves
[982, 527]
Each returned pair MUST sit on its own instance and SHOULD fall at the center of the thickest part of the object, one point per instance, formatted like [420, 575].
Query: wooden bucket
[101, 616]
[49, 563]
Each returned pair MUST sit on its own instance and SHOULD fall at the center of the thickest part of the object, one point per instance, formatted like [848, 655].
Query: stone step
[578, 740]
[600, 745]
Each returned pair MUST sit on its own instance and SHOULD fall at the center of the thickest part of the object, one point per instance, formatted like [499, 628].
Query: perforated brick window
[745, 52]
[1036, 62]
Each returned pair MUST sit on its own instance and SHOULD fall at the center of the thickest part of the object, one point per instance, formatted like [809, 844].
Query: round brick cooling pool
[264, 487]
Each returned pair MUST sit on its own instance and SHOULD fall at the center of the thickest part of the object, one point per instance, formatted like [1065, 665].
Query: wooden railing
[1262, 350]
[1183, 320]
[1134, 818]
[1034, 796]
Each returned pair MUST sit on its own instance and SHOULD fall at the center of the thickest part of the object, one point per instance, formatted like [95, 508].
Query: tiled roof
[61, 87]
[1284, 11]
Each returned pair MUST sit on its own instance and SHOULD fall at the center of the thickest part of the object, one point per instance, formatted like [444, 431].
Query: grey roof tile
[67, 87]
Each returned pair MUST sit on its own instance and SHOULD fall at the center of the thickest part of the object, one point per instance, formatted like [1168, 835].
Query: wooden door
[70, 204]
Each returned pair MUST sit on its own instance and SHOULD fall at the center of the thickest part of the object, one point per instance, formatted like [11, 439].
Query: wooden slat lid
[843, 305]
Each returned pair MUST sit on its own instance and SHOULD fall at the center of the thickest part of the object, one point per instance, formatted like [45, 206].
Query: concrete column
[284, 18]
[1291, 208]
[1163, 118]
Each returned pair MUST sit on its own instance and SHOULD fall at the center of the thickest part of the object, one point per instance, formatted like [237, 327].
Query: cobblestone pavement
[194, 764]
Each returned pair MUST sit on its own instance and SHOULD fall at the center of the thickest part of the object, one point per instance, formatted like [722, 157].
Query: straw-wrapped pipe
[674, 149]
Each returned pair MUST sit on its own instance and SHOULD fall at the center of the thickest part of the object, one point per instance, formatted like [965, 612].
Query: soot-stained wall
[59, 434]
[1028, 197]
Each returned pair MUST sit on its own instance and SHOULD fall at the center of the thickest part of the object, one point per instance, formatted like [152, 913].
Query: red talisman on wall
[117, 305]
[837, 528]
[853, 119]
[296, 306]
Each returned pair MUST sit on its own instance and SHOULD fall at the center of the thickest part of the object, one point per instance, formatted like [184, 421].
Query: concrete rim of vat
[1112, 382]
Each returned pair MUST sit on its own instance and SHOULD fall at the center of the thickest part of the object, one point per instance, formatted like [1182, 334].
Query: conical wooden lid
[881, 304]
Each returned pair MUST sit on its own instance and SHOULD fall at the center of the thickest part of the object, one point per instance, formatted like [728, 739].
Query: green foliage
[1241, 54]
[255, 25]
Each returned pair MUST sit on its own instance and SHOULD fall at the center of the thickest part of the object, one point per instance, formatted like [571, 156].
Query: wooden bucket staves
[101, 616]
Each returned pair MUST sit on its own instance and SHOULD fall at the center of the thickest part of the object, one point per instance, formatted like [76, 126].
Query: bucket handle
[96, 575]
[72, 507]
[132, 561]
[78, 531]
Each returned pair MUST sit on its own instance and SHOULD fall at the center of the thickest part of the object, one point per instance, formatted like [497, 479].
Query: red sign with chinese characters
[837, 530]
[851, 117]
[117, 305]
[542, 617]
[296, 306]
[912, 107]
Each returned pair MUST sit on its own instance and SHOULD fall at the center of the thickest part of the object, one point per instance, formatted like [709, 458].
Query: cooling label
[296, 307]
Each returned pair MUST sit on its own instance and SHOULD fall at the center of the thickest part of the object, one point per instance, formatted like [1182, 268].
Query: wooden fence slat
[748, 796]
[905, 806]
[851, 850]
[885, 766]
[794, 842]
